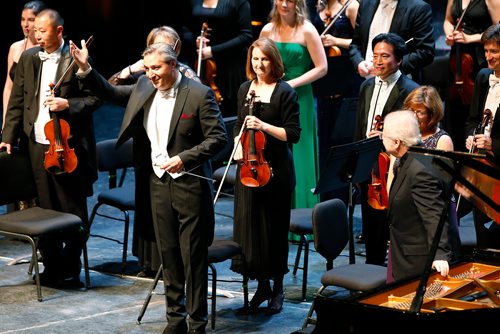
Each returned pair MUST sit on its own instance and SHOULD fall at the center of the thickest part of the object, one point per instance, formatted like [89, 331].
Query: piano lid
[477, 179]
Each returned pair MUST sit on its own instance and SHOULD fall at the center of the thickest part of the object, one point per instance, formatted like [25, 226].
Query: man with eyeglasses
[379, 96]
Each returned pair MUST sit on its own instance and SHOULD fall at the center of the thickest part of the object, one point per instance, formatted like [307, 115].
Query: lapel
[398, 181]
[37, 70]
[370, 11]
[399, 16]
[64, 63]
[393, 97]
[180, 101]
[368, 95]
[143, 91]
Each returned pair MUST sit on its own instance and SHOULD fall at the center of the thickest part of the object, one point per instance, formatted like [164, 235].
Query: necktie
[494, 80]
[54, 57]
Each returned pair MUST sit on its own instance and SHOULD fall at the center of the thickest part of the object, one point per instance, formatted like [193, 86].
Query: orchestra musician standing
[487, 97]
[304, 59]
[410, 19]
[224, 45]
[176, 127]
[417, 199]
[379, 96]
[337, 91]
[30, 105]
[465, 21]
[262, 214]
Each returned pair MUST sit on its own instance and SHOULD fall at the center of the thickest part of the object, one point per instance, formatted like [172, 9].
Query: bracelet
[130, 70]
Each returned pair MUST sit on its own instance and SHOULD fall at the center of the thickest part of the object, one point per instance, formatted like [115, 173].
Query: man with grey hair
[417, 199]
[177, 127]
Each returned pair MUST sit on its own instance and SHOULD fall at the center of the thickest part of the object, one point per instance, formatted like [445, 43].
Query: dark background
[119, 28]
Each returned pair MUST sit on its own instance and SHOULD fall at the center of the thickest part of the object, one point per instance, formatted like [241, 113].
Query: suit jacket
[398, 94]
[196, 133]
[23, 109]
[417, 200]
[481, 88]
[412, 19]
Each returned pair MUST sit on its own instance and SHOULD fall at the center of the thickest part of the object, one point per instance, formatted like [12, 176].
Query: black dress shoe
[260, 296]
[49, 280]
[276, 304]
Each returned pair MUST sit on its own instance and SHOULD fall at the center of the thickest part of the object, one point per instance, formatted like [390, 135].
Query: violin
[378, 197]
[59, 158]
[210, 71]
[333, 51]
[254, 170]
[461, 65]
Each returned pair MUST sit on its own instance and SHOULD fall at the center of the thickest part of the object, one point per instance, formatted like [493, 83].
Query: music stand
[349, 163]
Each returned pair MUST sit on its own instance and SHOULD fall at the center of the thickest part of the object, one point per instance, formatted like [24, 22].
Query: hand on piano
[441, 266]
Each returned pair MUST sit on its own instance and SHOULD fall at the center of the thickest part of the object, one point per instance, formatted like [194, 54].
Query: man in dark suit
[177, 127]
[379, 96]
[410, 19]
[487, 96]
[417, 199]
[30, 105]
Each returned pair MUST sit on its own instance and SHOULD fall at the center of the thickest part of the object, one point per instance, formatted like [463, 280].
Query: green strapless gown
[297, 61]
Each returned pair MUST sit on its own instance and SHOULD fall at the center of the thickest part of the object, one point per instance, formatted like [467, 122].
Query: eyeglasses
[419, 113]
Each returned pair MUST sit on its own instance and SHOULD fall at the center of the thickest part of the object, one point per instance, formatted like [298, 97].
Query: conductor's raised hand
[81, 56]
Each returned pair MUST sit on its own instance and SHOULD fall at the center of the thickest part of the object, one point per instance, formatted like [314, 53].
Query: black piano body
[464, 307]
[467, 301]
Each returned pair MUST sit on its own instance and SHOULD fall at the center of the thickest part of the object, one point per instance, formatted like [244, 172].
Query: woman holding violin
[262, 212]
[335, 20]
[464, 23]
[217, 34]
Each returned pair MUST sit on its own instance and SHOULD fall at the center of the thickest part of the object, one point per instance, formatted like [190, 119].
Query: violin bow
[336, 16]
[71, 65]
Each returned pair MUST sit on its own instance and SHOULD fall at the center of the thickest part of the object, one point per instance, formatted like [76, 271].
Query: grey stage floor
[113, 302]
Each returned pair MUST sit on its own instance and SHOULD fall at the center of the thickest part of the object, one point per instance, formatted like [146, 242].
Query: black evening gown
[262, 215]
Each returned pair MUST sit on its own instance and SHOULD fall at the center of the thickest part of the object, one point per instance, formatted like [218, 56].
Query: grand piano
[467, 300]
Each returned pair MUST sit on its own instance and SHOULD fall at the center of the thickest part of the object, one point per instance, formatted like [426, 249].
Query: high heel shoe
[260, 296]
[276, 304]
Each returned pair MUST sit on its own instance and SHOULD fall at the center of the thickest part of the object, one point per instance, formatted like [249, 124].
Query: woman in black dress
[228, 37]
[262, 214]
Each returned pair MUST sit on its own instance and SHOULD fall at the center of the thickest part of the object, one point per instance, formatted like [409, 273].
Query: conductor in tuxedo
[30, 105]
[417, 199]
[410, 19]
[177, 127]
[379, 96]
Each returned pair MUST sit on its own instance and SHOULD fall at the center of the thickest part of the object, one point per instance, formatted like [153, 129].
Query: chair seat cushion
[357, 277]
[37, 221]
[301, 221]
[230, 176]
[122, 198]
[221, 250]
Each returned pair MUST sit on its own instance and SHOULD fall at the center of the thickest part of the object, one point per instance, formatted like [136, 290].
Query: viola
[59, 158]
[462, 66]
[378, 197]
[210, 67]
[254, 169]
[479, 130]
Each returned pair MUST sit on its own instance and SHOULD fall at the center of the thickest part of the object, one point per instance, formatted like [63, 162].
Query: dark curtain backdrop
[119, 29]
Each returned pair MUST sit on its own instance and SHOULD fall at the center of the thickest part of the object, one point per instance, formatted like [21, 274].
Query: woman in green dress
[305, 61]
